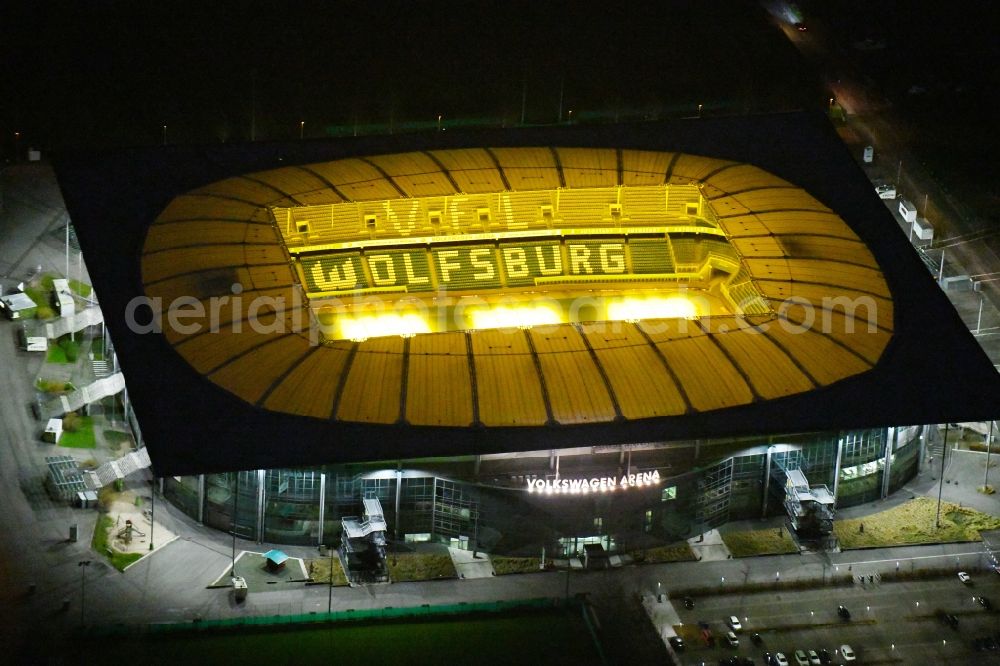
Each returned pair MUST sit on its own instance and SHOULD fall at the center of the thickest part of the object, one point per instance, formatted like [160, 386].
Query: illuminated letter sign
[411, 278]
[383, 272]
[467, 267]
[579, 259]
[612, 257]
[480, 258]
[555, 267]
[333, 273]
[445, 267]
[515, 262]
[597, 484]
[400, 268]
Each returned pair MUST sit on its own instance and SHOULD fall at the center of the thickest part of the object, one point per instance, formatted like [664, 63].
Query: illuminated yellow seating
[687, 253]
[788, 263]
[586, 208]
[646, 205]
[651, 255]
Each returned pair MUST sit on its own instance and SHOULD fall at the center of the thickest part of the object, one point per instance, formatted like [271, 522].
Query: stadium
[519, 339]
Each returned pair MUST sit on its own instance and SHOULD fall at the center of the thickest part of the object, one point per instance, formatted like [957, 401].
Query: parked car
[824, 657]
[677, 643]
[734, 622]
[813, 658]
[800, 658]
[843, 612]
[732, 639]
[886, 191]
[847, 653]
[964, 577]
[780, 659]
[985, 603]
[756, 638]
[688, 603]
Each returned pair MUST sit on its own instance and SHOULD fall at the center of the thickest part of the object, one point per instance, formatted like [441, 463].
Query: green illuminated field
[550, 638]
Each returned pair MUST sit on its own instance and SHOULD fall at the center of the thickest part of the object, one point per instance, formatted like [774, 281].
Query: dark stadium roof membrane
[192, 222]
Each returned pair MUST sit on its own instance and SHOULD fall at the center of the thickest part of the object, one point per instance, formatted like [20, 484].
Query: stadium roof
[803, 220]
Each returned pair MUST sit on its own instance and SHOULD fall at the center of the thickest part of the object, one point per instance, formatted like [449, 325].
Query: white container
[923, 229]
[908, 211]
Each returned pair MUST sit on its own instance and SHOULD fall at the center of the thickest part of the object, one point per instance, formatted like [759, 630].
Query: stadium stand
[779, 243]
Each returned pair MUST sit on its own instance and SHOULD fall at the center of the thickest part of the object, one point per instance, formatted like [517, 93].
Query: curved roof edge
[192, 426]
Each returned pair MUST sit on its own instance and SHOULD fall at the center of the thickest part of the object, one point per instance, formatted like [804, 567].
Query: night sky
[103, 73]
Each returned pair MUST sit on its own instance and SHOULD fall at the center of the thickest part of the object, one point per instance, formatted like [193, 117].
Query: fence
[425, 611]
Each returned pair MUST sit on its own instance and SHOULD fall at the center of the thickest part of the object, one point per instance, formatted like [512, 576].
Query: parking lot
[889, 623]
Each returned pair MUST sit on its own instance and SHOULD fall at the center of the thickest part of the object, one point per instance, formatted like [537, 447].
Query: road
[973, 247]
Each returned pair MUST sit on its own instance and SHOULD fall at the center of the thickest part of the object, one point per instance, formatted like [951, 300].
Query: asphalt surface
[890, 622]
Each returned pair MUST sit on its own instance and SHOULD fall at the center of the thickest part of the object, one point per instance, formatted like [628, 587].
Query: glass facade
[491, 502]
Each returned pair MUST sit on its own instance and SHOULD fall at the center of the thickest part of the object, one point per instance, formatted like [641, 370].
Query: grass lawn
[759, 542]
[100, 544]
[319, 570]
[675, 552]
[53, 386]
[81, 288]
[515, 565]
[56, 354]
[912, 523]
[82, 438]
[420, 566]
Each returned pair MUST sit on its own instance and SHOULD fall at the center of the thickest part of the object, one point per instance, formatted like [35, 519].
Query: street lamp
[83, 586]
[164, 135]
[329, 600]
[152, 512]
[439, 122]
[699, 109]
[302, 128]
